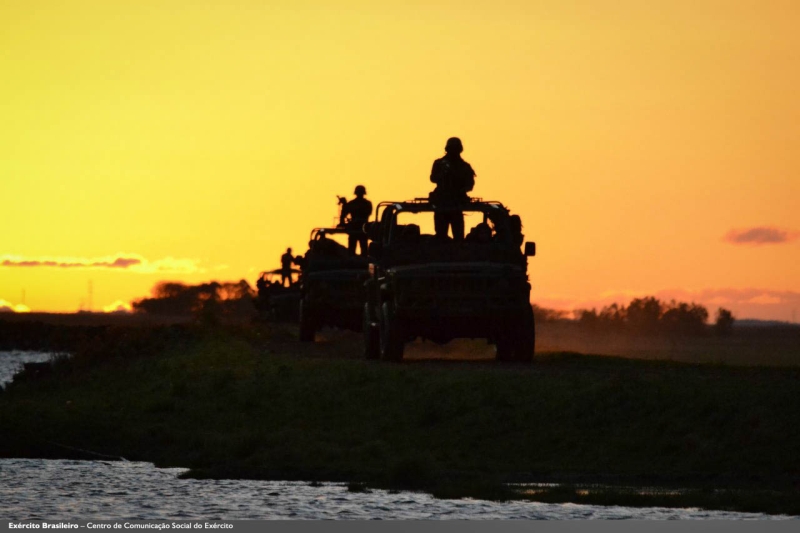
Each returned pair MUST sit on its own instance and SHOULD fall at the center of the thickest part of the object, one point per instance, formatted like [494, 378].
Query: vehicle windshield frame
[391, 210]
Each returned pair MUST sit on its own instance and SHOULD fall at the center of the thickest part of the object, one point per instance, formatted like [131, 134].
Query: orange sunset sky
[650, 147]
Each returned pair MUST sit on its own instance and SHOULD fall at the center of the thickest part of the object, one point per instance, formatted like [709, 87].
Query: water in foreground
[36, 489]
[11, 362]
[84, 490]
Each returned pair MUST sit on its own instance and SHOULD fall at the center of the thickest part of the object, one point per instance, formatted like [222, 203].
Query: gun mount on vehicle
[429, 286]
[331, 284]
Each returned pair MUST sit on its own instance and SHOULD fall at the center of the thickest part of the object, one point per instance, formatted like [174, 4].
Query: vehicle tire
[525, 338]
[525, 344]
[504, 345]
[392, 340]
[372, 343]
[307, 328]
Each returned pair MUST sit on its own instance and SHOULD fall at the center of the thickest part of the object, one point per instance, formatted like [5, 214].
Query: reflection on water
[11, 362]
[33, 489]
[533, 489]
[38, 489]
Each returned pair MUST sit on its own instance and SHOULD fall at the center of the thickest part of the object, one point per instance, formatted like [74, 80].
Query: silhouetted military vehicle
[331, 284]
[426, 286]
[275, 301]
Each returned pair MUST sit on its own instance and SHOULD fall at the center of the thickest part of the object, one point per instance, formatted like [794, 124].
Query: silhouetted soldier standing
[358, 210]
[286, 267]
[454, 178]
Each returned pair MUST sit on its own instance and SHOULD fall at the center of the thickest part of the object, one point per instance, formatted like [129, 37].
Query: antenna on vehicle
[342, 201]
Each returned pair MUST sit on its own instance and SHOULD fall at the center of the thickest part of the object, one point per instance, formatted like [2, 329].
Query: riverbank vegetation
[250, 402]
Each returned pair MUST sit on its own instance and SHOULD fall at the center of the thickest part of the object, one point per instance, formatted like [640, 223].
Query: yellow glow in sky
[632, 137]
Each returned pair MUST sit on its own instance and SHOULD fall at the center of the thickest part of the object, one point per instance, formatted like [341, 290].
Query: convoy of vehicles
[415, 284]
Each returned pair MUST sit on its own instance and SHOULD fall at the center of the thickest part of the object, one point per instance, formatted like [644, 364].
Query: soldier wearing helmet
[355, 214]
[454, 178]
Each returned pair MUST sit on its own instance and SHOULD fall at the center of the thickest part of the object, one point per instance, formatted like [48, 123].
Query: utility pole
[89, 305]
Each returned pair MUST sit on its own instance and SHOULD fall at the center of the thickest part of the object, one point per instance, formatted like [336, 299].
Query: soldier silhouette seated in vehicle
[515, 224]
[454, 178]
[408, 234]
[481, 234]
[511, 232]
[355, 214]
[262, 284]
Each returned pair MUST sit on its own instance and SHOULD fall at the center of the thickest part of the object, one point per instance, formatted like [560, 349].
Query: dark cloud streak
[761, 235]
[119, 262]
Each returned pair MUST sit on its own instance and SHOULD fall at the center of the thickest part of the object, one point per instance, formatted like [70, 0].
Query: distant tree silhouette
[647, 316]
[613, 316]
[680, 317]
[542, 314]
[587, 317]
[724, 322]
[206, 301]
[643, 314]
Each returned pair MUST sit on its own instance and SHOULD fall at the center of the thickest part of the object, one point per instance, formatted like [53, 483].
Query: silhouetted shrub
[724, 322]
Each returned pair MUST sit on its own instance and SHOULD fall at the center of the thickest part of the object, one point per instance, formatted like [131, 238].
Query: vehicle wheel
[372, 345]
[392, 341]
[307, 328]
[504, 345]
[526, 341]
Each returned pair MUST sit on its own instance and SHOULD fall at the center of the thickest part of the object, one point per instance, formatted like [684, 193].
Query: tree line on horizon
[648, 315]
[204, 300]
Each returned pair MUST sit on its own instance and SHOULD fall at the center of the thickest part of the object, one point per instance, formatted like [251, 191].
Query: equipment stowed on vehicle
[331, 284]
[421, 285]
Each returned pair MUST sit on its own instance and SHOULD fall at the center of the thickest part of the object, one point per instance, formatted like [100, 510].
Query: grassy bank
[244, 404]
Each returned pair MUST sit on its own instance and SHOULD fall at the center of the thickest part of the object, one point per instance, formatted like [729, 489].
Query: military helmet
[453, 145]
[360, 189]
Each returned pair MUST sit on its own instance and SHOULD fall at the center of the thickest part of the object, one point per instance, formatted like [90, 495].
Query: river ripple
[35, 489]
